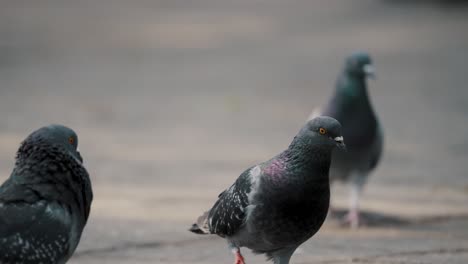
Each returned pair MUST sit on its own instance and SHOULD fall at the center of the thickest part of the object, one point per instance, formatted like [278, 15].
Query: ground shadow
[377, 219]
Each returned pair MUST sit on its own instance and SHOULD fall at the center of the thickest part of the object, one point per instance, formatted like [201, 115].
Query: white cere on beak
[369, 70]
[339, 139]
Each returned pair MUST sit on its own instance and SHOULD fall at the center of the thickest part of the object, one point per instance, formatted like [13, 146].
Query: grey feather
[352, 107]
[275, 206]
[45, 203]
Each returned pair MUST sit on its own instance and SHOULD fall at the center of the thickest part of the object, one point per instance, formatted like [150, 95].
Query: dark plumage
[277, 205]
[45, 203]
[351, 106]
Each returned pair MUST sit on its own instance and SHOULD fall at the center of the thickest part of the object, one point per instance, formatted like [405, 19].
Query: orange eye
[71, 140]
[322, 131]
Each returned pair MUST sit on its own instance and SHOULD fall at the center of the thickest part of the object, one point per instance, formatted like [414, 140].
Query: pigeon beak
[369, 70]
[340, 143]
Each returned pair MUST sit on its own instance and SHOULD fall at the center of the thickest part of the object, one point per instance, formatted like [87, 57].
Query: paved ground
[172, 100]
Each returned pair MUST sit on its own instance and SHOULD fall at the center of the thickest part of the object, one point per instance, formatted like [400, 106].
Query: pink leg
[352, 218]
[331, 209]
[331, 212]
[239, 259]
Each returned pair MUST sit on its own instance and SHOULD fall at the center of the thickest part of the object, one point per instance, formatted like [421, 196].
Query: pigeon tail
[201, 226]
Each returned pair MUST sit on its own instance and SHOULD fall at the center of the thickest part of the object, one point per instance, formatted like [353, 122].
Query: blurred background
[172, 100]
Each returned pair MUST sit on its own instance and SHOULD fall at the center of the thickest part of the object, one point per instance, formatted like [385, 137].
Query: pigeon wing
[229, 212]
[31, 227]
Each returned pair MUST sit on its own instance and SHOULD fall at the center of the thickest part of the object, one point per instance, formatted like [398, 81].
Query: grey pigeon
[45, 203]
[352, 107]
[277, 205]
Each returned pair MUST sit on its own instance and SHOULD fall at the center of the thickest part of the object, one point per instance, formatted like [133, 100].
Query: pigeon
[45, 203]
[352, 107]
[275, 206]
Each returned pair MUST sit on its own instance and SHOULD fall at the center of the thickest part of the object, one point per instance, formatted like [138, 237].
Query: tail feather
[201, 226]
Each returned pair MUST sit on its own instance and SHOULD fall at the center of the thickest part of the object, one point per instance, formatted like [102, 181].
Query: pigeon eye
[322, 131]
[71, 140]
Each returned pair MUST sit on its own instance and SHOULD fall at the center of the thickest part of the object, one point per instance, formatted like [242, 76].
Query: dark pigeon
[352, 107]
[45, 203]
[277, 205]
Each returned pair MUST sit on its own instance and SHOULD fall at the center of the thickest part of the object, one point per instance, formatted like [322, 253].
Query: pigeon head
[322, 131]
[55, 135]
[360, 64]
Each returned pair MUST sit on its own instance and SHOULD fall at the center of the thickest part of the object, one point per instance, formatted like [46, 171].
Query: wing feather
[32, 230]
[229, 212]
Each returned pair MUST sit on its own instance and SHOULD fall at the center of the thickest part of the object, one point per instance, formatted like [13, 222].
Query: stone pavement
[172, 100]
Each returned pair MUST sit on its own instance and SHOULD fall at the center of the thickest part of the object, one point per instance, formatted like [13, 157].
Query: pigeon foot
[239, 259]
[352, 219]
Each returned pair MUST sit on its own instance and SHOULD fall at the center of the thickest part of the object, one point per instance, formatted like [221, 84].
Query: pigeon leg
[331, 211]
[239, 259]
[331, 208]
[352, 218]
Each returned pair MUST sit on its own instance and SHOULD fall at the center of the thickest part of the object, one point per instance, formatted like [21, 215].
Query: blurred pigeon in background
[277, 205]
[351, 106]
[45, 203]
